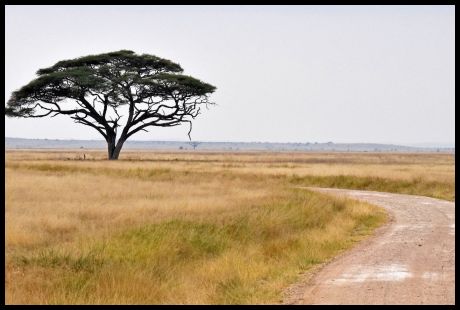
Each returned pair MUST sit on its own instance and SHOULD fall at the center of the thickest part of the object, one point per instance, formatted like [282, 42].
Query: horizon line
[410, 144]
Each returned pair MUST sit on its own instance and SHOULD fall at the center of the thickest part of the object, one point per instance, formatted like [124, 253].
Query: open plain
[192, 227]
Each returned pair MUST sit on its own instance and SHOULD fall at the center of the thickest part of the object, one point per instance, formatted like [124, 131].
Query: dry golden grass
[429, 166]
[409, 173]
[187, 228]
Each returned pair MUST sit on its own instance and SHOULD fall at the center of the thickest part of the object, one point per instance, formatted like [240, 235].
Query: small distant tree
[194, 144]
[96, 91]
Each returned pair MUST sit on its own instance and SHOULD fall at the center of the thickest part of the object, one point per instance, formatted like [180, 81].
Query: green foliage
[184, 84]
[112, 75]
[123, 59]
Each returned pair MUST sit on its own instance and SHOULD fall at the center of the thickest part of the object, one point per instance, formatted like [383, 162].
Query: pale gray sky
[383, 74]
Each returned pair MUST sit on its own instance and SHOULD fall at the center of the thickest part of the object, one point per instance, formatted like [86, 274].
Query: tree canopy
[96, 91]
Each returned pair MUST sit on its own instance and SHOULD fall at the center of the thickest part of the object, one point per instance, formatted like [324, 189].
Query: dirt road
[410, 260]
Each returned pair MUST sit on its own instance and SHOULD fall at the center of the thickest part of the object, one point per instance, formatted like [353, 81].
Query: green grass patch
[416, 186]
[247, 257]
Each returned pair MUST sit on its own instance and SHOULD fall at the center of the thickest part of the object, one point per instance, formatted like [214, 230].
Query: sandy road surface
[410, 260]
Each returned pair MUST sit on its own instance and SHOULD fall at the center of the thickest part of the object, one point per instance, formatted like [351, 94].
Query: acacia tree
[99, 90]
[194, 144]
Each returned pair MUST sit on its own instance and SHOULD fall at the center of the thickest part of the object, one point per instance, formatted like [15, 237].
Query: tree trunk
[111, 148]
[115, 149]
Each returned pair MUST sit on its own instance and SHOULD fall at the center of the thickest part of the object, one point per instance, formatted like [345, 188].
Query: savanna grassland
[190, 227]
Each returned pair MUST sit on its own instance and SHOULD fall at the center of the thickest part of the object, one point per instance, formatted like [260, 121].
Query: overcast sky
[382, 74]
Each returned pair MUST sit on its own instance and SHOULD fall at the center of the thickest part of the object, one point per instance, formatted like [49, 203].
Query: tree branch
[88, 123]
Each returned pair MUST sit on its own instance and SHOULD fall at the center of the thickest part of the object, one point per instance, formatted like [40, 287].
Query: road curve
[410, 260]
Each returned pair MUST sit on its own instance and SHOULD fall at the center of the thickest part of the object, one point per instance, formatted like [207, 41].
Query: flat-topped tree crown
[96, 91]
